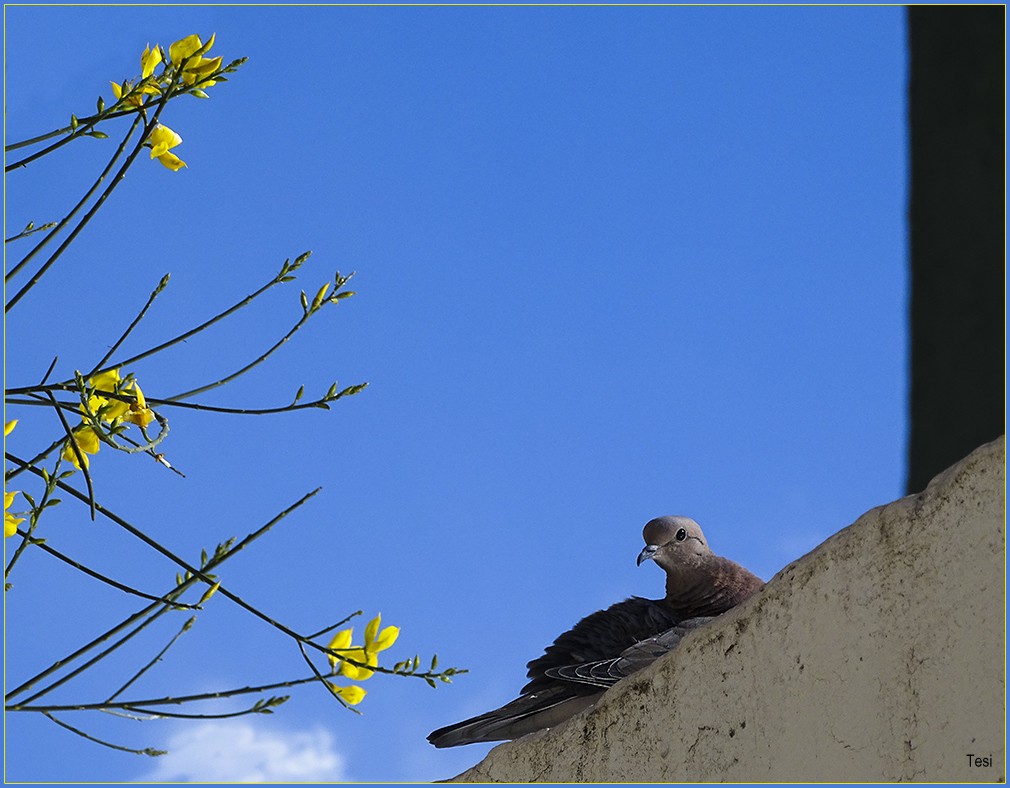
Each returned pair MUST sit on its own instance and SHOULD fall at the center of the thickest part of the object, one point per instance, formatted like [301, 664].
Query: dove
[611, 644]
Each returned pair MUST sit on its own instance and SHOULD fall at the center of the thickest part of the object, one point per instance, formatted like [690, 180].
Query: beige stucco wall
[879, 656]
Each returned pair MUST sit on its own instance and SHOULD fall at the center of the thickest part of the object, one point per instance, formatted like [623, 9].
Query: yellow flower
[149, 60]
[109, 381]
[9, 427]
[161, 139]
[136, 100]
[119, 91]
[137, 412]
[352, 695]
[197, 67]
[87, 441]
[11, 522]
[186, 47]
[366, 656]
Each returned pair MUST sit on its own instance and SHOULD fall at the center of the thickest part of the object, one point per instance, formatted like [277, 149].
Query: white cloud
[239, 751]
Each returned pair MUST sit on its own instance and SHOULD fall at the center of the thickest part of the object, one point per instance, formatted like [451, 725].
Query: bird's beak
[648, 553]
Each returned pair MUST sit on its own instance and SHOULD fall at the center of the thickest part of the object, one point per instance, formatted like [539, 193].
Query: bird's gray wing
[605, 673]
[603, 635]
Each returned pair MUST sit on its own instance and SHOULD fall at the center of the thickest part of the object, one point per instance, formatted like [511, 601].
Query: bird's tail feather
[526, 714]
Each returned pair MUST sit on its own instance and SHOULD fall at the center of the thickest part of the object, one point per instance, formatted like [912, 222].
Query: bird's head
[673, 542]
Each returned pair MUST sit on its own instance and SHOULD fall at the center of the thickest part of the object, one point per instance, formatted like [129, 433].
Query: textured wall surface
[879, 656]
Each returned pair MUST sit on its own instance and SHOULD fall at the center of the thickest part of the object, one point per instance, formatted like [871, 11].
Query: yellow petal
[149, 60]
[371, 630]
[342, 640]
[204, 68]
[353, 672]
[87, 442]
[9, 498]
[105, 381]
[184, 48]
[94, 403]
[11, 525]
[386, 638]
[162, 138]
[137, 412]
[352, 695]
[115, 410]
[139, 416]
[173, 162]
[117, 91]
[135, 390]
[9, 427]
[70, 456]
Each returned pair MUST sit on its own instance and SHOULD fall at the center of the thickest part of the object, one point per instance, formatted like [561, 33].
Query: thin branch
[157, 658]
[40, 138]
[257, 709]
[170, 700]
[49, 370]
[129, 329]
[146, 751]
[178, 700]
[31, 229]
[44, 546]
[331, 627]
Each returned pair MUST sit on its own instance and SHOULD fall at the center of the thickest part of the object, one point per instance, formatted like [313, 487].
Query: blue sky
[612, 263]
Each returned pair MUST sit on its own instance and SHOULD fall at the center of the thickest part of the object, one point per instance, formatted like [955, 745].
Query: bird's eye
[681, 535]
